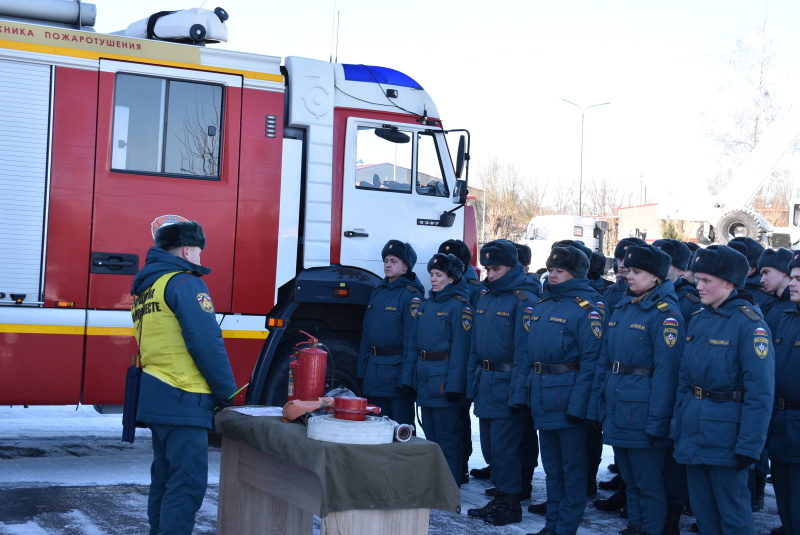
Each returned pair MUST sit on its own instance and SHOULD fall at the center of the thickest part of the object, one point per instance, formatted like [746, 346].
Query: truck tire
[739, 223]
[342, 365]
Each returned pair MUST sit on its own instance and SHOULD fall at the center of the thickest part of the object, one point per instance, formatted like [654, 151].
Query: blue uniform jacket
[387, 324]
[614, 294]
[475, 286]
[443, 324]
[159, 402]
[688, 299]
[774, 310]
[753, 285]
[727, 349]
[500, 334]
[565, 328]
[784, 433]
[647, 334]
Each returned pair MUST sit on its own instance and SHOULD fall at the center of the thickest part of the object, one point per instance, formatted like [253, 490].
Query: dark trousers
[400, 408]
[640, 469]
[178, 478]
[500, 441]
[675, 480]
[529, 447]
[564, 459]
[594, 445]
[786, 482]
[720, 499]
[443, 426]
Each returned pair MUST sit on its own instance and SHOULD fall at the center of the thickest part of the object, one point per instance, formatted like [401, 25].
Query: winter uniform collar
[572, 288]
[653, 298]
[159, 262]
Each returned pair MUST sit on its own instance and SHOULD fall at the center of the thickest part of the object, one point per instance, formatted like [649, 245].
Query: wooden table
[273, 479]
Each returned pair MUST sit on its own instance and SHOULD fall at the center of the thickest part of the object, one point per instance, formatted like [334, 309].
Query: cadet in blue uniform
[556, 380]
[387, 328]
[438, 351]
[752, 250]
[499, 339]
[186, 373]
[784, 436]
[470, 277]
[725, 394]
[616, 291]
[634, 387]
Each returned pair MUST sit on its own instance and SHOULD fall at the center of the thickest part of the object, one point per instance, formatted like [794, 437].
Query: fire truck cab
[298, 170]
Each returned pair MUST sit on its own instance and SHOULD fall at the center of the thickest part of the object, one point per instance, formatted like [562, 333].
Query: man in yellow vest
[186, 373]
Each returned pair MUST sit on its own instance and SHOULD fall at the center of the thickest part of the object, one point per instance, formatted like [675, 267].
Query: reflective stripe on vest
[163, 350]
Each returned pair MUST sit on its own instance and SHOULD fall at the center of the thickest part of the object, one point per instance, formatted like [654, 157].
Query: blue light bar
[382, 75]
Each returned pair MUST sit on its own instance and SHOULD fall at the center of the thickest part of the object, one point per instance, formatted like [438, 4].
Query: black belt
[432, 355]
[624, 369]
[733, 395]
[386, 351]
[784, 404]
[496, 366]
[540, 367]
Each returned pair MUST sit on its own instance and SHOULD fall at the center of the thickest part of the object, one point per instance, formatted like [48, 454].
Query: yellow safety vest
[163, 350]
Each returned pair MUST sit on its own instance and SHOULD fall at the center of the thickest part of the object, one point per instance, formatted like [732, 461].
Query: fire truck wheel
[342, 362]
[739, 223]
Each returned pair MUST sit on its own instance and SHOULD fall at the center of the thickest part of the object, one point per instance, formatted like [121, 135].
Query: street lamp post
[580, 184]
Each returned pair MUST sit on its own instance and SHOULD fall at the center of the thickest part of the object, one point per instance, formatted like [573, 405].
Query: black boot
[527, 484]
[672, 525]
[614, 503]
[480, 473]
[486, 510]
[612, 484]
[757, 500]
[508, 511]
[538, 508]
[632, 530]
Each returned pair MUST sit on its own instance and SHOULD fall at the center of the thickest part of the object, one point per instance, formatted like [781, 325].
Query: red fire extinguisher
[307, 370]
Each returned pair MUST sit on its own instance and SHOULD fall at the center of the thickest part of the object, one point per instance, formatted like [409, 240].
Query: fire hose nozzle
[403, 432]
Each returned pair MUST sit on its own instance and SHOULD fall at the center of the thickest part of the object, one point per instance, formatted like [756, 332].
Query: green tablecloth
[400, 475]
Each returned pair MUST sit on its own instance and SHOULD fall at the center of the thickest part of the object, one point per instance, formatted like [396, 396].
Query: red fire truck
[299, 171]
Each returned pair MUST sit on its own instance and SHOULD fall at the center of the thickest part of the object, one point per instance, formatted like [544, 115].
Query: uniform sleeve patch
[761, 345]
[467, 310]
[600, 304]
[671, 322]
[760, 332]
[528, 310]
[597, 328]
[416, 299]
[594, 315]
[466, 319]
[205, 302]
[670, 335]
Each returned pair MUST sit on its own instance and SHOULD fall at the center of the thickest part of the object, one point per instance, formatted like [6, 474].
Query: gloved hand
[651, 439]
[408, 390]
[221, 404]
[519, 409]
[575, 419]
[743, 461]
[452, 397]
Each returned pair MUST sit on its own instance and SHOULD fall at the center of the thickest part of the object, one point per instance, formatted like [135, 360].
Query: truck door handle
[354, 234]
[115, 263]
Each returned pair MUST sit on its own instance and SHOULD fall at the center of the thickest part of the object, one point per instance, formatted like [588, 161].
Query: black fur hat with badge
[577, 244]
[624, 243]
[794, 262]
[449, 264]
[180, 234]
[598, 263]
[677, 251]
[723, 262]
[749, 247]
[401, 250]
[778, 259]
[499, 253]
[648, 258]
[458, 248]
[569, 258]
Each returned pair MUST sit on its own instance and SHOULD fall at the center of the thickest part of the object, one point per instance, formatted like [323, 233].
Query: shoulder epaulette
[750, 313]
[461, 298]
[696, 312]
[412, 289]
[693, 298]
[543, 299]
[583, 303]
[522, 296]
[474, 282]
[663, 306]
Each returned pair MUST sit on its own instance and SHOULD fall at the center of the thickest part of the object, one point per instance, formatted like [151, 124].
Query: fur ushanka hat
[499, 253]
[449, 264]
[401, 250]
[775, 259]
[579, 245]
[749, 247]
[648, 258]
[458, 248]
[180, 234]
[722, 261]
[569, 258]
[677, 251]
[523, 254]
[794, 262]
[624, 243]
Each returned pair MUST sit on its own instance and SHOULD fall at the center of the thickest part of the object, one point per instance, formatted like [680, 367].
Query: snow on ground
[64, 471]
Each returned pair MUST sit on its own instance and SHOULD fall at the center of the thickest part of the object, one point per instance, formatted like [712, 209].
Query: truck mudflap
[325, 297]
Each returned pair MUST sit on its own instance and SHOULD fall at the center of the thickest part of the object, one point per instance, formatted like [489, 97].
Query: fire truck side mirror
[392, 134]
[212, 131]
[461, 155]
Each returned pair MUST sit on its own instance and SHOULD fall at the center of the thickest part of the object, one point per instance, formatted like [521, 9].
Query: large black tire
[739, 223]
[342, 362]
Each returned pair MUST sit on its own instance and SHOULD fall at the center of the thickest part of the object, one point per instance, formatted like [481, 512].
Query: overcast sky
[501, 68]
